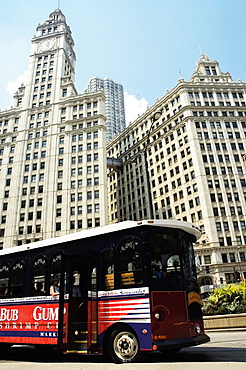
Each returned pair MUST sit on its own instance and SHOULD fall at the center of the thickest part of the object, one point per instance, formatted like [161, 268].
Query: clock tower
[51, 69]
[52, 146]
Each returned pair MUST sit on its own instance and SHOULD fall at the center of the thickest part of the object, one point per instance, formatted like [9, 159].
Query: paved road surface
[226, 351]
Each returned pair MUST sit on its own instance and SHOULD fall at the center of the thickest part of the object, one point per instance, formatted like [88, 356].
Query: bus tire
[4, 349]
[123, 345]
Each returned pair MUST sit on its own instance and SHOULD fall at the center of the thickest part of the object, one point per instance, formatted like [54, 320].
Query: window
[232, 257]
[224, 257]
[130, 267]
[16, 280]
[207, 259]
[39, 274]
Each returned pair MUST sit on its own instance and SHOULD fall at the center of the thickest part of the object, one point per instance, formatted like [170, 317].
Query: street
[227, 350]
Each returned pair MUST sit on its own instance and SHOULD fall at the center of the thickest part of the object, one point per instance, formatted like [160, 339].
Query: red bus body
[143, 318]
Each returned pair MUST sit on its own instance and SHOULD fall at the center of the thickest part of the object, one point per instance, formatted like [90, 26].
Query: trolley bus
[124, 289]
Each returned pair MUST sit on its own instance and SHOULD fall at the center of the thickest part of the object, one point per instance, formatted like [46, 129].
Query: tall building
[114, 105]
[52, 146]
[190, 165]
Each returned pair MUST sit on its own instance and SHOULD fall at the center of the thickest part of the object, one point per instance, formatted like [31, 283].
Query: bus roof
[190, 228]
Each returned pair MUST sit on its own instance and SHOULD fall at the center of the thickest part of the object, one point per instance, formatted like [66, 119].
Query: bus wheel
[123, 346]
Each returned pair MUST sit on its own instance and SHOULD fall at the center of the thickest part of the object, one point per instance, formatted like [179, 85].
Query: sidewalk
[109, 366]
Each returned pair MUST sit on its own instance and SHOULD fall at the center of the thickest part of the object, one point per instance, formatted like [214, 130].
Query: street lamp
[239, 264]
[155, 118]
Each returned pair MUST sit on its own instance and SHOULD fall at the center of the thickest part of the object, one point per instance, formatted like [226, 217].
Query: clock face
[46, 45]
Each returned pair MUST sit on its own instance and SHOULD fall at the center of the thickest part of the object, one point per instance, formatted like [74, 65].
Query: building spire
[201, 53]
[59, 4]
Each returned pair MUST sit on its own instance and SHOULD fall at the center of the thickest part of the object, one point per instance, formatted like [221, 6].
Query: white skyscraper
[52, 146]
[114, 105]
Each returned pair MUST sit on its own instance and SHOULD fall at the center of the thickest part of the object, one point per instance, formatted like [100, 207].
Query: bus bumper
[180, 343]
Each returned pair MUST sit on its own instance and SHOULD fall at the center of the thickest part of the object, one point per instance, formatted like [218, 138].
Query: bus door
[93, 302]
[73, 335]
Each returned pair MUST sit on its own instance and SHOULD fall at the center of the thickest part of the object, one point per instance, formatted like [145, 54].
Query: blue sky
[142, 44]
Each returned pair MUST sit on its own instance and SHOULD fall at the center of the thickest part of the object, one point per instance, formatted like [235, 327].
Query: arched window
[56, 269]
[4, 280]
[39, 275]
[130, 258]
[16, 280]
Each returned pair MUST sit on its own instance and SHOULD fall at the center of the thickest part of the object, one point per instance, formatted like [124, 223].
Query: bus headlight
[198, 328]
[159, 315]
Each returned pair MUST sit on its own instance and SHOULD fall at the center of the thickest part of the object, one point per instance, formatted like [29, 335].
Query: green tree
[228, 299]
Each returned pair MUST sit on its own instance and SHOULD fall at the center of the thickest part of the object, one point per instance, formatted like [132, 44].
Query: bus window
[130, 262]
[4, 280]
[39, 273]
[16, 280]
[55, 274]
[108, 269]
[165, 260]
[188, 259]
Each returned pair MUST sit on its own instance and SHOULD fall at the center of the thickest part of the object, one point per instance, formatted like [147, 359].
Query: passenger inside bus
[54, 289]
[39, 289]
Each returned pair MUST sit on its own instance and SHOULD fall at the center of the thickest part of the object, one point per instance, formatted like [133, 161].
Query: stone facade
[189, 164]
[52, 146]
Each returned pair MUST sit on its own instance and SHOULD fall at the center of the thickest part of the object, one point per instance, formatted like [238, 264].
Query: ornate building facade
[189, 165]
[52, 146]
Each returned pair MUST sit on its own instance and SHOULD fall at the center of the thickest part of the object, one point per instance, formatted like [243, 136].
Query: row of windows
[77, 224]
[35, 156]
[221, 158]
[79, 171]
[227, 183]
[79, 137]
[38, 124]
[233, 211]
[224, 170]
[90, 182]
[43, 79]
[220, 135]
[218, 113]
[12, 276]
[36, 145]
[221, 104]
[218, 124]
[6, 122]
[230, 197]
[89, 208]
[218, 94]
[228, 241]
[226, 225]
[33, 178]
[76, 108]
[224, 256]
[222, 146]
[232, 257]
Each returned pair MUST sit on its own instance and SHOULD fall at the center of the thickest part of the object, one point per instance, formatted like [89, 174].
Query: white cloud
[134, 107]
[13, 86]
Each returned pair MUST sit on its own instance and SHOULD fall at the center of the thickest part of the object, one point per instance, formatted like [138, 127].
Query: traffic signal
[207, 270]
[237, 275]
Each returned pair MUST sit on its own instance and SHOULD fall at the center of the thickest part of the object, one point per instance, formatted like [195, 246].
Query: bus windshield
[171, 257]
